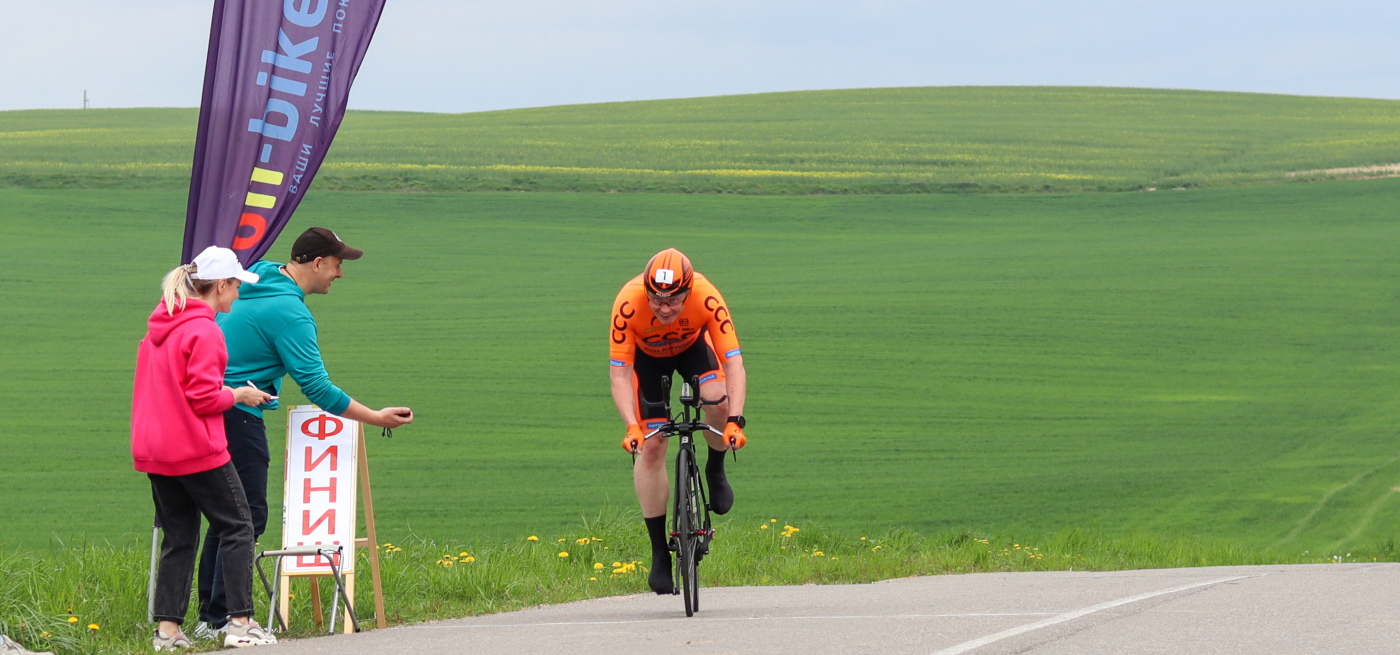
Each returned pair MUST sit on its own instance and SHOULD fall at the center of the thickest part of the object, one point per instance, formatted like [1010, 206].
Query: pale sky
[474, 55]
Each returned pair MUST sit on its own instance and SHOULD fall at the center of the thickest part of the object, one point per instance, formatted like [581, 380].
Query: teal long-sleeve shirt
[270, 333]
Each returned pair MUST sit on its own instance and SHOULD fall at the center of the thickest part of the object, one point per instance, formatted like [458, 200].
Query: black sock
[660, 577]
[715, 464]
[721, 495]
[660, 539]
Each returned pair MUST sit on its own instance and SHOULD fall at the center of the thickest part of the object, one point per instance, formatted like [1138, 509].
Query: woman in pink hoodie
[177, 440]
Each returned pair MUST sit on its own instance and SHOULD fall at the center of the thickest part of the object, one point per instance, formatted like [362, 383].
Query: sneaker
[249, 634]
[178, 640]
[204, 630]
[10, 647]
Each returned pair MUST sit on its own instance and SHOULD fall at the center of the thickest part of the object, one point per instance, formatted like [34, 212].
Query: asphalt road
[1278, 610]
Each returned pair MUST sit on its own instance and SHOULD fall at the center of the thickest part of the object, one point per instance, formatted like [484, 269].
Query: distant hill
[908, 140]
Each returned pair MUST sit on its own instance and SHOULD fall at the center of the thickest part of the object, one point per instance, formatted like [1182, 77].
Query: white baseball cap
[217, 263]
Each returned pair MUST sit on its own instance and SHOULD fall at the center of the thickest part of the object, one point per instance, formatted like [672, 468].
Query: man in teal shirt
[270, 333]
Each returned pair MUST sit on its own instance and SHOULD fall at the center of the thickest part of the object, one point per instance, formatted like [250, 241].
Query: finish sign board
[318, 502]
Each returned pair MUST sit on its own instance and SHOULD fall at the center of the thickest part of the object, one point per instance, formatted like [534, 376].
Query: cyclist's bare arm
[735, 384]
[624, 396]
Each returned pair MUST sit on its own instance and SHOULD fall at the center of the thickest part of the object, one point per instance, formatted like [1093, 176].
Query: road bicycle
[691, 531]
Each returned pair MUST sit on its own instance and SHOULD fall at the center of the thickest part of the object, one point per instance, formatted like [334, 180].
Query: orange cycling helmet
[668, 273]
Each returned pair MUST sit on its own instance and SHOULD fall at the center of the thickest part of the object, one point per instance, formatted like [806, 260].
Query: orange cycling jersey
[635, 327]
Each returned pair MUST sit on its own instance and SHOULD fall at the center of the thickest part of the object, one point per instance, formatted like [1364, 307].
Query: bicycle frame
[691, 528]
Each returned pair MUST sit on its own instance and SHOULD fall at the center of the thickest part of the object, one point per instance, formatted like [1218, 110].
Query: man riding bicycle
[669, 320]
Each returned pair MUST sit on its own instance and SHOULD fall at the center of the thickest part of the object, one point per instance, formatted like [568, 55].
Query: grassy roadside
[90, 598]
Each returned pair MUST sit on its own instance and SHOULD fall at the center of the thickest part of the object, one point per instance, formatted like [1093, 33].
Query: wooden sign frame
[370, 541]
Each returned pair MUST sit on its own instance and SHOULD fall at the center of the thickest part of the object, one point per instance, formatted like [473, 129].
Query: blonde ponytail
[178, 287]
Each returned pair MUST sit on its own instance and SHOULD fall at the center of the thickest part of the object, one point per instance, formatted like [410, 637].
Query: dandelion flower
[561, 541]
[94, 626]
[597, 566]
[465, 554]
[833, 558]
[532, 538]
[617, 564]
[862, 538]
[763, 527]
[72, 619]
[593, 579]
[469, 558]
[772, 520]
[45, 635]
[563, 553]
[581, 542]
[819, 554]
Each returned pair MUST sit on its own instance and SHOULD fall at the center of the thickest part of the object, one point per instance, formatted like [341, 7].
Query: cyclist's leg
[649, 473]
[700, 361]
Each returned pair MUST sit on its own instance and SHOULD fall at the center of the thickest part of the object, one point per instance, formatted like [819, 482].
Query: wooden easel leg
[349, 593]
[375, 581]
[315, 582]
[284, 598]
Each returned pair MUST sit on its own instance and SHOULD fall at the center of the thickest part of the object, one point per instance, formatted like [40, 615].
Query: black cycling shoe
[721, 495]
[660, 577]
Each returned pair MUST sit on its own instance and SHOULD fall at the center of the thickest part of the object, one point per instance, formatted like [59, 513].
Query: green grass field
[1217, 363]
[854, 141]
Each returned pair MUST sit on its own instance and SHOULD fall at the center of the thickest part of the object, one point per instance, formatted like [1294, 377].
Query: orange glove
[734, 436]
[632, 443]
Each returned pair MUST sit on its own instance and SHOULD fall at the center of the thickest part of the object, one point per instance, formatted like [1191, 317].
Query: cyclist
[669, 320]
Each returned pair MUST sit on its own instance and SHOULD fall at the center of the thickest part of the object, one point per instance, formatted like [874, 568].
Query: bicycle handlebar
[671, 427]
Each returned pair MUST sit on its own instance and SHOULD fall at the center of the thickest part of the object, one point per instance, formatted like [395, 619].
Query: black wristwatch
[737, 420]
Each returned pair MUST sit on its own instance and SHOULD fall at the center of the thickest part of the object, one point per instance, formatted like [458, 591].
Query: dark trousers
[180, 500]
[247, 445]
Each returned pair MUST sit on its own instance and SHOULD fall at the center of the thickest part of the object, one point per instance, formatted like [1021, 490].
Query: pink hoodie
[177, 408]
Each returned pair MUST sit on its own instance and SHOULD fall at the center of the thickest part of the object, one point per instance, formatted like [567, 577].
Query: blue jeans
[247, 445]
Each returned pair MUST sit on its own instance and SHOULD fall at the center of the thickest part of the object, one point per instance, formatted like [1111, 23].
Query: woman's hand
[249, 396]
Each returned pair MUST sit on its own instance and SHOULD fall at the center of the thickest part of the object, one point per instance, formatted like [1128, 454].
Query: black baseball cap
[320, 242]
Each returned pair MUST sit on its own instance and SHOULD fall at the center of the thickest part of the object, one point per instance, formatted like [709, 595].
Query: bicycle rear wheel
[687, 526]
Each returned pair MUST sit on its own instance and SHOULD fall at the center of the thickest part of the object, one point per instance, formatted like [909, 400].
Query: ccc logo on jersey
[721, 314]
[619, 322]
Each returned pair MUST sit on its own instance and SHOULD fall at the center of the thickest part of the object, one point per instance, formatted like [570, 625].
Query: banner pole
[375, 580]
[151, 583]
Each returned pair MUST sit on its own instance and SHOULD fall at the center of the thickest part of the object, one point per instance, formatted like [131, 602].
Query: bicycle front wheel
[687, 527]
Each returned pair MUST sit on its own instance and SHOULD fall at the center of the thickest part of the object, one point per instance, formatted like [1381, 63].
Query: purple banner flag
[275, 87]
